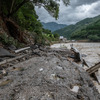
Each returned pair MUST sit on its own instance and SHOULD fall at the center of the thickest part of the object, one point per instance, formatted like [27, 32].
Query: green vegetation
[91, 32]
[27, 19]
[49, 37]
[10, 7]
[19, 16]
[56, 35]
[79, 30]
[10, 41]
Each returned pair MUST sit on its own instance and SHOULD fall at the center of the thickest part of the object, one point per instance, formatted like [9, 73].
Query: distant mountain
[90, 32]
[72, 29]
[53, 26]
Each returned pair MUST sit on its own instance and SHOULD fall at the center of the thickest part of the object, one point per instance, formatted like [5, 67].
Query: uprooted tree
[9, 9]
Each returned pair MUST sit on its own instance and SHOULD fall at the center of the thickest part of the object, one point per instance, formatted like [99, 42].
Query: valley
[88, 28]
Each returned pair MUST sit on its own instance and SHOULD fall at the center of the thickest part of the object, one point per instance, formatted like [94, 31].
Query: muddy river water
[91, 50]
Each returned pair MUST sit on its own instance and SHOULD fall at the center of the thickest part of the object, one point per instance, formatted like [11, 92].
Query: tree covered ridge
[90, 32]
[81, 28]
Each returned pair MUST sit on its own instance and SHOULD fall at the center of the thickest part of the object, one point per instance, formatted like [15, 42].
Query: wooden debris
[93, 69]
[18, 69]
[3, 83]
[12, 59]
[22, 49]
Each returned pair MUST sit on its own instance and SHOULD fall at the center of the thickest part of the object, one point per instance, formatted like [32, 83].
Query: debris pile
[50, 75]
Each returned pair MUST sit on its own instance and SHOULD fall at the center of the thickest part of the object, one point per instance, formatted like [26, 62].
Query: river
[91, 50]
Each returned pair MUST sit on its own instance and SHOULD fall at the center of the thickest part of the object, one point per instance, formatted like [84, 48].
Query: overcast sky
[76, 11]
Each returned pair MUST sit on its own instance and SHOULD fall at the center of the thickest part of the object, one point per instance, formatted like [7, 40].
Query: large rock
[5, 53]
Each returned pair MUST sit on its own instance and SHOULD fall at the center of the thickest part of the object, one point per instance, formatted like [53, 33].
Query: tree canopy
[20, 15]
[9, 7]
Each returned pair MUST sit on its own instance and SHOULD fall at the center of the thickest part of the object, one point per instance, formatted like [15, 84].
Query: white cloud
[76, 11]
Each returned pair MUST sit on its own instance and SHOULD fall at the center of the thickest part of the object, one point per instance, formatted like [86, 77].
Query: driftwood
[94, 68]
[22, 49]
[12, 59]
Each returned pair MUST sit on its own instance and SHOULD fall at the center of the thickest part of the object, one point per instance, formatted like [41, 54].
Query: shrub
[6, 40]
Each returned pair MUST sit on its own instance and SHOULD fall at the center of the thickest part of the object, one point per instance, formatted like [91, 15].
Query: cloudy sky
[76, 11]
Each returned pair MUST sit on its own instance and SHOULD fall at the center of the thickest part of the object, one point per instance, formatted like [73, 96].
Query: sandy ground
[91, 50]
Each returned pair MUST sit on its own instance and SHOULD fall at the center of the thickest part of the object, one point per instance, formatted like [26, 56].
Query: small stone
[5, 73]
[41, 69]
[79, 97]
[91, 84]
[23, 58]
[59, 67]
[75, 89]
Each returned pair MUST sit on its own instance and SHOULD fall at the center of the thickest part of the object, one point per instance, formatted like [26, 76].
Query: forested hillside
[72, 29]
[53, 26]
[91, 32]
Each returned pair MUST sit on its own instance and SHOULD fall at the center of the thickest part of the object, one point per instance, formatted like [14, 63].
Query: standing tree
[10, 7]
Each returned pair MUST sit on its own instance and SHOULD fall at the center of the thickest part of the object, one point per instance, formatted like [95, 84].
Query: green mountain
[71, 30]
[90, 32]
[53, 26]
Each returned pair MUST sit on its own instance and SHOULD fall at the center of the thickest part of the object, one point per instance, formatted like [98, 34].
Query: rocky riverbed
[47, 76]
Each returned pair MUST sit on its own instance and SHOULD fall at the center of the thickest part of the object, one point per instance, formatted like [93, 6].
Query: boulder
[5, 53]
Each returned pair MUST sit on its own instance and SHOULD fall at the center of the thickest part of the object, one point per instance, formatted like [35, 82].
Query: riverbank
[48, 76]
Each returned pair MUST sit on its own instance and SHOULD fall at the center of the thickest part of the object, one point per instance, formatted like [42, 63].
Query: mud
[48, 76]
